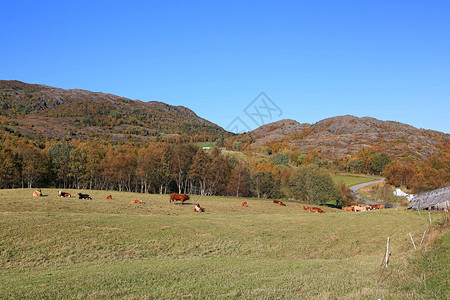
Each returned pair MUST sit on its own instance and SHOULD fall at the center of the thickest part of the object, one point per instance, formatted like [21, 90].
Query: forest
[173, 165]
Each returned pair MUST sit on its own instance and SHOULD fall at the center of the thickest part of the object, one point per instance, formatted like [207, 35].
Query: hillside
[345, 135]
[39, 111]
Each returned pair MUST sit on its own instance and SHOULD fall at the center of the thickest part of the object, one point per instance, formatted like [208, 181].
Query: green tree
[313, 185]
[280, 159]
[378, 162]
[263, 184]
[78, 167]
[59, 155]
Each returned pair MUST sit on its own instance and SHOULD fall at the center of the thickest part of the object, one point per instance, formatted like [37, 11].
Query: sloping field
[54, 247]
[350, 179]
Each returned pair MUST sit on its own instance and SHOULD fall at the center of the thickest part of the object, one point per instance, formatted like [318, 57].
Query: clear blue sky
[315, 59]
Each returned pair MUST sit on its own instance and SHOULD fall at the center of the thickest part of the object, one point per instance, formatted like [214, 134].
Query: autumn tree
[152, 168]
[9, 168]
[239, 183]
[33, 163]
[263, 184]
[182, 155]
[198, 173]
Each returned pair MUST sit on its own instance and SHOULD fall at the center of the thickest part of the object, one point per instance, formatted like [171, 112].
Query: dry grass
[69, 248]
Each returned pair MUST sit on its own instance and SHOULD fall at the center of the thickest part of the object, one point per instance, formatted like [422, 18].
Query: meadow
[350, 179]
[67, 248]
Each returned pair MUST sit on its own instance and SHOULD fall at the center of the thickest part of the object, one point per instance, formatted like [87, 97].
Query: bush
[314, 185]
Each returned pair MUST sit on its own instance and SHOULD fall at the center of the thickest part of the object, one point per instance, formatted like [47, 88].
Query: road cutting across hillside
[356, 187]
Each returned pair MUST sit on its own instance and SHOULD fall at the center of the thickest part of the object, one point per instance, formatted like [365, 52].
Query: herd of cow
[183, 197]
[363, 208]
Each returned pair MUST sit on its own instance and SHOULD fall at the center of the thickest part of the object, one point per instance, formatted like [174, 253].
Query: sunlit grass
[351, 180]
[54, 247]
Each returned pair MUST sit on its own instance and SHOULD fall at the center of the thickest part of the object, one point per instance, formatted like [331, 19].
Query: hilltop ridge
[40, 111]
[345, 135]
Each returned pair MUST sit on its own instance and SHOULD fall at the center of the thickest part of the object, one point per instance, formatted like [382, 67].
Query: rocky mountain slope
[39, 111]
[346, 135]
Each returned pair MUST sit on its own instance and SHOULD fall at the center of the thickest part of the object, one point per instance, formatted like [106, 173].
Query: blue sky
[314, 59]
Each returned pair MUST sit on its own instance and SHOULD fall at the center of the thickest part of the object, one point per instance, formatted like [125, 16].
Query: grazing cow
[348, 208]
[178, 197]
[359, 208]
[198, 208]
[138, 201]
[281, 203]
[84, 196]
[244, 204]
[37, 193]
[63, 194]
[109, 197]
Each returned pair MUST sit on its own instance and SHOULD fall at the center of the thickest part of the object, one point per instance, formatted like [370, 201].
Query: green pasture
[351, 180]
[206, 144]
[66, 248]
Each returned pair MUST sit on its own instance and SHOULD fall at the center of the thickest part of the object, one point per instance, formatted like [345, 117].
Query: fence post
[387, 251]
[422, 238]
[414, 244]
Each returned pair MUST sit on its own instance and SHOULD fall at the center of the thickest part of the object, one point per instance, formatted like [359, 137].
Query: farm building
[436, 200]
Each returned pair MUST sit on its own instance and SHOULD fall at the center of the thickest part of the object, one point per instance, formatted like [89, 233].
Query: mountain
[39, 111]
[346, 135]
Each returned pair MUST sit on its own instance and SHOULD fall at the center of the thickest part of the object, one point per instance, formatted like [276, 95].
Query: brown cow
[316, 210]
[313, 209]
[381, 207]
[178, 197]
[244, 204]
[109, 197]
[281, 203]
[276, 201]
[198, 208]
[348, 208]
[37, 193]
[63, 194]
[138, 201]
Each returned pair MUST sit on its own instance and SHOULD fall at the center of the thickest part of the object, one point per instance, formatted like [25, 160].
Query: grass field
[63, 248]
[206, 144]
[351, 180]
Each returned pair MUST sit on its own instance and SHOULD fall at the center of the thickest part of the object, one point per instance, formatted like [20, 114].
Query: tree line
[160, 168]
[182, 167]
